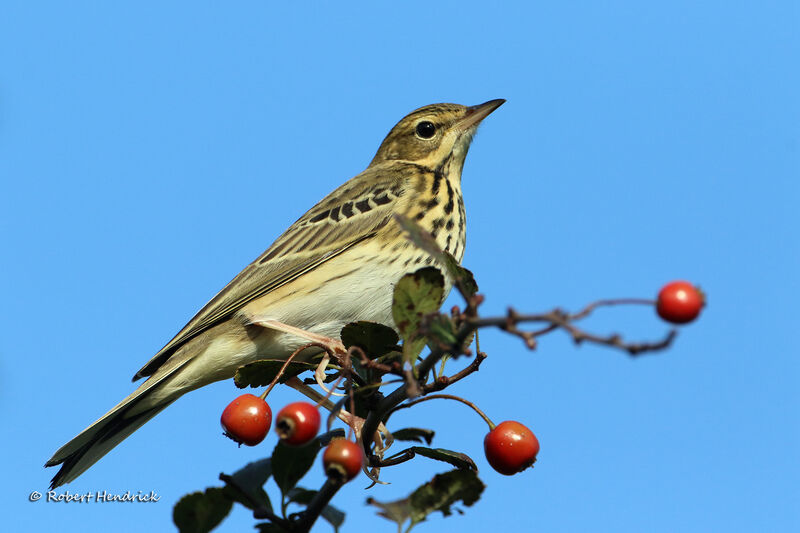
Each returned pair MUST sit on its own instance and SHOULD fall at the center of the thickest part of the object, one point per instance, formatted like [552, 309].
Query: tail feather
[76, 456]
[113, 431]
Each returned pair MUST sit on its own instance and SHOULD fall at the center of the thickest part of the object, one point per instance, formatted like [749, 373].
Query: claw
[382, 438]
[319, 375]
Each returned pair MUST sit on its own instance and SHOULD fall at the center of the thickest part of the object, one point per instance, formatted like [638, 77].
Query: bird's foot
[335, 345]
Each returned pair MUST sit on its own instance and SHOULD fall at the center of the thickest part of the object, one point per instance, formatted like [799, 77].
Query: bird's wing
[351, 214]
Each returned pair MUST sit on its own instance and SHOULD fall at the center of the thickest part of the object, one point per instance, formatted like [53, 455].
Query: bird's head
[434, 134]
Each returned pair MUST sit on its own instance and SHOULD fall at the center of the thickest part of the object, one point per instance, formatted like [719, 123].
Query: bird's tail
[76, 456]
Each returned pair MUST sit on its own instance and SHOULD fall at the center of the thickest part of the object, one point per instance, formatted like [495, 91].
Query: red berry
[297, 423]
[342, 459]
[679, 302]
[510, 447]
[247, 419]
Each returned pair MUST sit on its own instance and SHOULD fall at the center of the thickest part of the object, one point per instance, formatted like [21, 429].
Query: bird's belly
[336, 294]
[347, 289]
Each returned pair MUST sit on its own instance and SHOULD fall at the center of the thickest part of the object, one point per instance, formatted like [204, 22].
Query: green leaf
[462, 278]
[329, 378]
[414, 434]
[261, 373]
[397, 511]
[412, 349]
[200, 512]
[375, 339]
[457, 459]
[439, 494]
[416, 295]
[443, 491]
[301, 495]
[304, 496]
[333, 516]
[250, 480]
[441, 330]
[420, 237]
[290, 463]
[390, 357]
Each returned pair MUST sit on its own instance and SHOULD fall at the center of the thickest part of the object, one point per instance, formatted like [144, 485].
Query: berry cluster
[372, 355]
[246, 420]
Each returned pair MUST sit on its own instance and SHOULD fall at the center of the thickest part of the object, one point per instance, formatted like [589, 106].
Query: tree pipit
[337, 264]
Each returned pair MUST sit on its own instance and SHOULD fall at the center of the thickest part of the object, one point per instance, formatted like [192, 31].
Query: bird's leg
[330, 345]
[335, 345]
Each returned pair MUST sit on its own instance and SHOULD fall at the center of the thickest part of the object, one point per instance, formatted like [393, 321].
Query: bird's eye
[426, 129]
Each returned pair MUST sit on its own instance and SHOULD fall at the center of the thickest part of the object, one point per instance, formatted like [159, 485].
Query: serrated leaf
[470, 338]
[251, 480]
[290, 463]
[414, 434]
[200, 512]
[443, 491]
[436, 495]
[461, 277]
[261, 373]
[416, 295]
[457, 459]
[441, 329]
[397, 511]
[375, 339]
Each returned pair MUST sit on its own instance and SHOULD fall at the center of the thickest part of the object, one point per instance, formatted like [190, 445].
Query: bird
[337, 264]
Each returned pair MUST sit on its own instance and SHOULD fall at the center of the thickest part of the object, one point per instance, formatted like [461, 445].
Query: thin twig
[446, 381]
[443, 397]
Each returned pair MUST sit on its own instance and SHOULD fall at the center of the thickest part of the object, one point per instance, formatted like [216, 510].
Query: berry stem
[446, 397]
[285, 364]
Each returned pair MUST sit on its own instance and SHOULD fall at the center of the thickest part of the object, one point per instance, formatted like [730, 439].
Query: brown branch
[366, 362]
[445, 381]
[468, 321]
[558, 319]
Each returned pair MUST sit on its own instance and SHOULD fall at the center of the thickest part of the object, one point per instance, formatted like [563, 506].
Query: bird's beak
[477, 113]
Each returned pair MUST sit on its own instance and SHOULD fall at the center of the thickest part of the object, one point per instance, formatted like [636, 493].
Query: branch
[558, 319]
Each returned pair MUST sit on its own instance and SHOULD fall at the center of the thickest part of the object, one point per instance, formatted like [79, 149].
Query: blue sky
[148, 153]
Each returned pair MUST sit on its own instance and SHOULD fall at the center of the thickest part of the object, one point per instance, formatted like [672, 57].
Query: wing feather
[325, 231]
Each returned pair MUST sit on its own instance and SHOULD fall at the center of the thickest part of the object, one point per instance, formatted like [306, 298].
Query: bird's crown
[432, 133]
